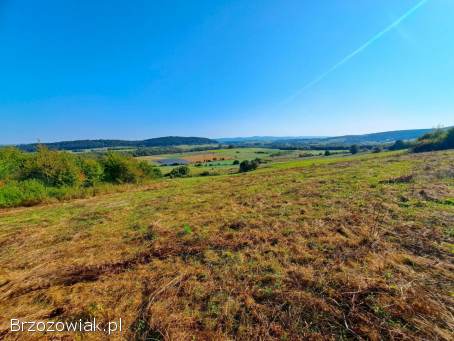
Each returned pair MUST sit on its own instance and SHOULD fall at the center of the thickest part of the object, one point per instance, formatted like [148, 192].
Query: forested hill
[382, 137]
[92, 144]
[345, 140]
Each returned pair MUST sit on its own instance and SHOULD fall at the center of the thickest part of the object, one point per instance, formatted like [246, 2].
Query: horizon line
[229, 137]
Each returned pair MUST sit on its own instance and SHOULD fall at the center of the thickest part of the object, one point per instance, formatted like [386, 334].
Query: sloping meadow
[356, 248]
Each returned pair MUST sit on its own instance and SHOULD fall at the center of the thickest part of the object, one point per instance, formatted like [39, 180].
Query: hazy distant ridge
[154, 142]
[382, 137]
[270, 141]
[373, 138]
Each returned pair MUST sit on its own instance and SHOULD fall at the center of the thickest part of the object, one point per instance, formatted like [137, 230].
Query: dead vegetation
[349, 250]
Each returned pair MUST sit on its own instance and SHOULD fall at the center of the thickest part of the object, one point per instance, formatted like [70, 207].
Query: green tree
[377, 149]
[92, 171]
[11, 162]
[398, 145]
[148, 170]
[119, 169]
[52, 168]
[438, 139]
[247, 166]
[449, 141]
[180, 172]
[354, 149]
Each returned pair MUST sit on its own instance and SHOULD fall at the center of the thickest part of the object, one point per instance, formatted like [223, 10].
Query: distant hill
[263, 139]
[374, 138]
[93, 144]
[320, 141]
[364, 139]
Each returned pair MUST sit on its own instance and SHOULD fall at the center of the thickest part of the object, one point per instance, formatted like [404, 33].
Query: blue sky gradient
[215, 68]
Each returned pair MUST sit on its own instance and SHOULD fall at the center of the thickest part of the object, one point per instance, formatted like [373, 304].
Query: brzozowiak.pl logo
[79, 326]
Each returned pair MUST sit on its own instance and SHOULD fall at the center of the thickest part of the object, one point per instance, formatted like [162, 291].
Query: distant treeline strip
[148, 151]
[80, 145]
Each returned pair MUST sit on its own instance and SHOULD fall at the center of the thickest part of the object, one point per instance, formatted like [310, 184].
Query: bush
[180, 172]
[25, 193]
[449, 140]
[236, 162]
[52, 168]
[354, 149]
[11, 161]
[377, 149]
[327, 153]
[33, 192]
[10, 195]
[399, 145]
[30, 178]
[120, 169]
[149, 171]
[92, 171]
[246, 165]
[438, 139]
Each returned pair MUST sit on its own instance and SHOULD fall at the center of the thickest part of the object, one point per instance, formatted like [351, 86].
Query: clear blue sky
[137, 69]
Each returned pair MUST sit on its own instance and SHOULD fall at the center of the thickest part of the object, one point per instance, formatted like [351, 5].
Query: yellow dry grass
[353, 249]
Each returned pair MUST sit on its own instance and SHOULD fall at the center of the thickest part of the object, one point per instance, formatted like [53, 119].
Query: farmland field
[357, 247]
[220, 161]
[235, 154]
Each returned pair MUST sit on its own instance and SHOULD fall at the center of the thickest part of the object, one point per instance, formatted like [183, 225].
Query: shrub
[398, 145]
[449, 140]
[11, 161]
[354, 149]
[246, 165]
[438, 139]
[33, 192]
[120, 169]
[327, 153]
[52, 168]
[180, 172]
[148, 170]
[25, 193]
[92, 171]
[236, 162]
[377, 149]
[10, 195]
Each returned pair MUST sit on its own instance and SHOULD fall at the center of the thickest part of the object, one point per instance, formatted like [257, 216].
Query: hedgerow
[31, 178]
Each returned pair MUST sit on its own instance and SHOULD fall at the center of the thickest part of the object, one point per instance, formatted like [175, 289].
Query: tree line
[80, 145]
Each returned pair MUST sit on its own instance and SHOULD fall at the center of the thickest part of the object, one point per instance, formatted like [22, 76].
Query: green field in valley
[220, 161]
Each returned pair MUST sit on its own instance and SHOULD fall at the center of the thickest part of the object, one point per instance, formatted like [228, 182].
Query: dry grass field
[345, 248]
